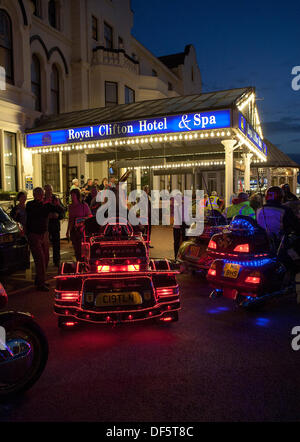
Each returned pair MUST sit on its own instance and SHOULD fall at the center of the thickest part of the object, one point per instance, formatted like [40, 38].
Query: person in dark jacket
[279, 220]
[37, 213]
[54, 222]
[275, 217]
[287, 194]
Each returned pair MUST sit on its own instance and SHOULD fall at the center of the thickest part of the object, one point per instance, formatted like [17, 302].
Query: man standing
[37, 232]
[54, 222]
[240, 207]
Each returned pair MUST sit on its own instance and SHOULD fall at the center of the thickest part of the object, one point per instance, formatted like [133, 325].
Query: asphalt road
[217, 363]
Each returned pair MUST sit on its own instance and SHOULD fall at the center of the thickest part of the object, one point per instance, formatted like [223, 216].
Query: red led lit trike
[115, 281]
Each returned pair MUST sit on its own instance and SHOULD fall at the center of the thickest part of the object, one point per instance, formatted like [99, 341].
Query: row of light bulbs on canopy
[136, 140]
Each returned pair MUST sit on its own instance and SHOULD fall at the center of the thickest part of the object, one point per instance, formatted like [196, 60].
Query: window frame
[8, 49]
[95, 21]
[105, 27]
[13, 167]
[38, 85]
[37, 8]
[56, 17]
[111, 103]
[129, 89]
[55, 91]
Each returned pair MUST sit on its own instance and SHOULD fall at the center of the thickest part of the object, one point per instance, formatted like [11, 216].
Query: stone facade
[84, 57]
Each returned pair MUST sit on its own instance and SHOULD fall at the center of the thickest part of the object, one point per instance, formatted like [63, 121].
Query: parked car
[14, 251]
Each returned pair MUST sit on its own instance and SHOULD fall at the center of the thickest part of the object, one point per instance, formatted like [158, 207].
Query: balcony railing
[115, 57]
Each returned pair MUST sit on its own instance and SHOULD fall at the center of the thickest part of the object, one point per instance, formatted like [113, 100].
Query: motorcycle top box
[245, 266]
[192, 254]
[115, 281]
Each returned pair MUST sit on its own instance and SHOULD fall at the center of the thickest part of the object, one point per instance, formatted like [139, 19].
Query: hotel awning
[197, 129]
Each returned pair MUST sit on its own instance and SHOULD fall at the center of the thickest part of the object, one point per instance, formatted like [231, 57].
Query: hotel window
[50, 167]
[54, 90]
[94, 28]
[108, 36]
[36, 82]
[37, 8]
[154, 73]
[192, 74]
[53, 14]
[129, 95]
[170, 86]
[6, 46]
[111, 93]
[10, 160]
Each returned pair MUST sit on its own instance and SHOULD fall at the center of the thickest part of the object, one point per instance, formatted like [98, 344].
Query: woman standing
[78, 209]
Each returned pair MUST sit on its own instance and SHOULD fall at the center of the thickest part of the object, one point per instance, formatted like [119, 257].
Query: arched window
[36, 82]
[52, 13]
[54, 90]
[6, 46]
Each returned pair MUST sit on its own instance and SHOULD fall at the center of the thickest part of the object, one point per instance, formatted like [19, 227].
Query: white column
[166, 182]
[37, 170]
[61, 184]
[295, 174]
[156, 182]
[229, 148]
[138, 178]
[247, 162]
[183, 186]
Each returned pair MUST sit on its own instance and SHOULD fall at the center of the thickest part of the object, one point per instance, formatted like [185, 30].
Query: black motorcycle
[248, 267]
[23, 350]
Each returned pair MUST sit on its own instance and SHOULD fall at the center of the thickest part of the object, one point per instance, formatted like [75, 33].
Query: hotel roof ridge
[142, 109]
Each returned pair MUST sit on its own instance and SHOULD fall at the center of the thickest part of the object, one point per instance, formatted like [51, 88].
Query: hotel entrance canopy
[165, 134]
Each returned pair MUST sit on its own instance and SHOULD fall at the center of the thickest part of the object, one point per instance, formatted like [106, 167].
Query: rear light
[70, 324]
[212, 245]
[127, 268]
[212, 272]
[166, 291]
[69, 296]
[253, 279]
[242, 248]
[167, 319]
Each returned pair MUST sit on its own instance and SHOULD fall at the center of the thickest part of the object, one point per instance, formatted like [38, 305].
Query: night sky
[238, 44]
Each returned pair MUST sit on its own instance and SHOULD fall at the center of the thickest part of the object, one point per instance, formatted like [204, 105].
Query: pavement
[23, 280]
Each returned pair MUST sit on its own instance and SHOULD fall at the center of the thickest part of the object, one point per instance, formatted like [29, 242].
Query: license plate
[6, 238]
[118, 298]
[194, 251]
[231, 271]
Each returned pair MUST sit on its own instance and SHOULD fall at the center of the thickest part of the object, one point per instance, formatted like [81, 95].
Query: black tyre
[25, 357]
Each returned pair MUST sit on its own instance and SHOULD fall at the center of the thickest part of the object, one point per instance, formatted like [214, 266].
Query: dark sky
[238, 43]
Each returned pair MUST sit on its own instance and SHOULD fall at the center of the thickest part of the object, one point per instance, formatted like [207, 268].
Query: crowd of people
[41, 217]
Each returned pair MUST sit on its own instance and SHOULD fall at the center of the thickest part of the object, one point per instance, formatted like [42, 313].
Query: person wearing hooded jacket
[240, 207]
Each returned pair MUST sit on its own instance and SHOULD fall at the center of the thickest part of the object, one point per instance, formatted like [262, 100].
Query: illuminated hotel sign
[218, 119]
[251, 134]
